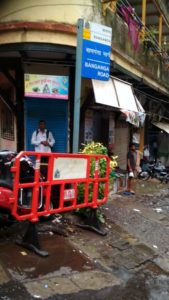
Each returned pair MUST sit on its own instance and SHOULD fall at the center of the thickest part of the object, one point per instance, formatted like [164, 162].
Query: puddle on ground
[150, 186]
[63, 258]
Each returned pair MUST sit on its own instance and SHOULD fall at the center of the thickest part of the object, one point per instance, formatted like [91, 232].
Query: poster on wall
[111, 131]
[46, 86]
[88, 126]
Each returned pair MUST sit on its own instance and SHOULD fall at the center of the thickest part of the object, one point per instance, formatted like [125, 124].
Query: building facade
[38, 42]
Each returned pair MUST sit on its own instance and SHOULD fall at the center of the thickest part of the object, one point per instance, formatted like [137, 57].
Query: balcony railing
[149, 58]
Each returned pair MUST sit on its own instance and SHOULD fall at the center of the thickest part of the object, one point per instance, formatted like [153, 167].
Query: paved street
[130, 262]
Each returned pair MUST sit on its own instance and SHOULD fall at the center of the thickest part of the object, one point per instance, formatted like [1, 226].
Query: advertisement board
[46, 86]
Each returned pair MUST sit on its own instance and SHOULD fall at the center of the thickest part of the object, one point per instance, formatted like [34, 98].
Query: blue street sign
[95, 60]
[96, 48]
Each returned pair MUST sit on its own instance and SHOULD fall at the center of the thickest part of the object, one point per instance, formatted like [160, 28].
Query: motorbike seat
[5, 184]
[163, 173]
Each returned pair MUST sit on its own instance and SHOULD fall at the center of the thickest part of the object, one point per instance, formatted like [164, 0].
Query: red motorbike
[27, 171]
[27, 175]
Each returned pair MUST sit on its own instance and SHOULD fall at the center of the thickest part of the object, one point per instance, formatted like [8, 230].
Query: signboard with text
[96, 51]
[46, 86]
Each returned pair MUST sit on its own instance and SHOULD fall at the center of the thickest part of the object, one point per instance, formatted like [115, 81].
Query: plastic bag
[146, 152]
[131, 174]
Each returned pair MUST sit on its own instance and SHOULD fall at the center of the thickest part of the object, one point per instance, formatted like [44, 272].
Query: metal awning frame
[163, 126]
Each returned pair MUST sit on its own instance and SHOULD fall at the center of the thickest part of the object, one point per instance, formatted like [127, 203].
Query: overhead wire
[156, 115]
[155, 99]
[152, 97]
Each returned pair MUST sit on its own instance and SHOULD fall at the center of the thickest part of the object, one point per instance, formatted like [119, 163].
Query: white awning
[116, 93]
[163, 126]
[141, 109]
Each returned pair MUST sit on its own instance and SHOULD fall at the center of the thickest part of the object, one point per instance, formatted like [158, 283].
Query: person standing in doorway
[42, 139]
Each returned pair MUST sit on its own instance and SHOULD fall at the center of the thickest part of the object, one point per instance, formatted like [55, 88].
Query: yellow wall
[59, 11]
[63, 11]
[41, 36]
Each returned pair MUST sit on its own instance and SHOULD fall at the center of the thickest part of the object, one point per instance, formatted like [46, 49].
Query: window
[7, 124]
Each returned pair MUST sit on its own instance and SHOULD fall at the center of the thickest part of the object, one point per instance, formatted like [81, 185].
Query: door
[100, 128]
[122, 138]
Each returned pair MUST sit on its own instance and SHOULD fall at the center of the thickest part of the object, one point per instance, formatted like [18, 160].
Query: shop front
[42, 80]
[159, 142]
[112, 115]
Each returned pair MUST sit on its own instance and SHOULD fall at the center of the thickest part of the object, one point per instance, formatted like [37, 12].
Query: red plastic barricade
[59, 183]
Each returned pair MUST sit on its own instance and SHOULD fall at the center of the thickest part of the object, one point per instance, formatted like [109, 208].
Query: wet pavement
[63, 259]
[130, 263]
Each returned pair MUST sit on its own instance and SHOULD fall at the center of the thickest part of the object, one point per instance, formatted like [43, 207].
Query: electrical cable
[157, 100]
[156, 115]
[152, 97]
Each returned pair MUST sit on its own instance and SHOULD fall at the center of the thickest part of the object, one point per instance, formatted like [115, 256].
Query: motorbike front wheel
[143, 175]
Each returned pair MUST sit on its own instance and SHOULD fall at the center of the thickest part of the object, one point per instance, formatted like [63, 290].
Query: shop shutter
[55, 114]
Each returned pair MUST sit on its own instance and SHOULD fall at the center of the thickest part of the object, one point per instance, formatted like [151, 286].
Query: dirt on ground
[130, 261]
